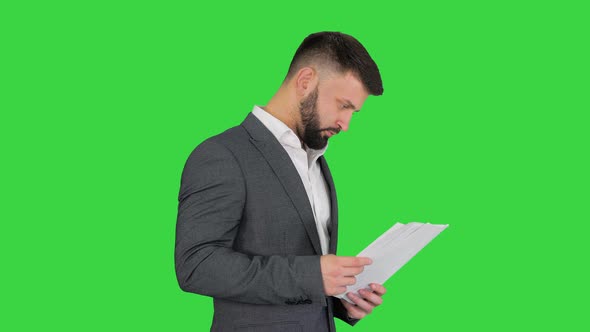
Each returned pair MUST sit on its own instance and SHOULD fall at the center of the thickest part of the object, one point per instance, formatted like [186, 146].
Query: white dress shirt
[308, 167]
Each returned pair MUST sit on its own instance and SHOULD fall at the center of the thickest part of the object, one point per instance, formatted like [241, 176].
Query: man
[257, 217]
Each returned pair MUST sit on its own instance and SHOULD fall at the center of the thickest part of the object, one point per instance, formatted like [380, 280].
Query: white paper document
[391, 251]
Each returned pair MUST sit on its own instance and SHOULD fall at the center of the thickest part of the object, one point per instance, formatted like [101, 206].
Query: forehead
[344, 86]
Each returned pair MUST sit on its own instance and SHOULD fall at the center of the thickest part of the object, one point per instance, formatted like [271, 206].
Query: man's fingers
[354, 261]
[338, 290]
[353, 311]
[371, 297]
[340, 271]
[361, 303]
[352, 271]
[343, 282]
[378, 289]
[365, 301]
[349, 281]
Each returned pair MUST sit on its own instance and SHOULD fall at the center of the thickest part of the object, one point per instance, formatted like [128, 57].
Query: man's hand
[338, 272]
[365, 303]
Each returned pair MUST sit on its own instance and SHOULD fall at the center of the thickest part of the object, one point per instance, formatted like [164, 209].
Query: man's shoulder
[233, 137]
[241, 135]
[230, 142]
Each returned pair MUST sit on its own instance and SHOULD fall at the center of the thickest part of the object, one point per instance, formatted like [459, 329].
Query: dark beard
[312, 134]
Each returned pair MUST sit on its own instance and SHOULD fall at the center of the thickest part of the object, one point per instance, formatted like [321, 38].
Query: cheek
[325, 118]
[326, 112]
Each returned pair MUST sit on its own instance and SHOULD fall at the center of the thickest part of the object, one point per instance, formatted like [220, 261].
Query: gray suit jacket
[247, 237]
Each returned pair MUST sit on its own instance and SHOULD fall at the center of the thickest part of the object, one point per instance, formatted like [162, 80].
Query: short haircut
[339, 52]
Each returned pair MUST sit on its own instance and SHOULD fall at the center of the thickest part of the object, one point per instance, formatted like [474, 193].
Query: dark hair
[343, 53]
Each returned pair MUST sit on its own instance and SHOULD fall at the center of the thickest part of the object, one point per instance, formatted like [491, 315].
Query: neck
[283, 106]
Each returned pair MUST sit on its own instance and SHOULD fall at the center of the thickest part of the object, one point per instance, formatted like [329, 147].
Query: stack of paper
[391, 251]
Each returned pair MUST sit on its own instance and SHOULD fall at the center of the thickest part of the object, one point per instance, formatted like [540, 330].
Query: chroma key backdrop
[483, 125]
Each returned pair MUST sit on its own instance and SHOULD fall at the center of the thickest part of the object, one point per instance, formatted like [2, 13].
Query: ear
[305, 81]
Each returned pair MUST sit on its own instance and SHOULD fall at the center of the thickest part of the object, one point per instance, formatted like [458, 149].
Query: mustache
[335, 130]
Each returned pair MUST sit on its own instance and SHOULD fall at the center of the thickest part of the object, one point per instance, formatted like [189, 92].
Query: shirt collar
[284, 134]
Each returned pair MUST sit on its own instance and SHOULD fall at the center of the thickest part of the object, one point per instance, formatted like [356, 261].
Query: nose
[344, 121]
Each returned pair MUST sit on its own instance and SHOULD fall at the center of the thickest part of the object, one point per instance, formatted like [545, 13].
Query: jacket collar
[281, 164]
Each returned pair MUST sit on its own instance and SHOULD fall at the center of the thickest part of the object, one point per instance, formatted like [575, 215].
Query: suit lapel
[333, 225]
[283, 167]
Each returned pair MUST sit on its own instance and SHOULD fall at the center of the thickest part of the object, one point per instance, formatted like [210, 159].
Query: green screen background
[483, 125]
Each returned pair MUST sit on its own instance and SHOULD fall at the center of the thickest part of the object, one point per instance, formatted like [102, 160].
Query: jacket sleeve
[341, 313]
[211, 200]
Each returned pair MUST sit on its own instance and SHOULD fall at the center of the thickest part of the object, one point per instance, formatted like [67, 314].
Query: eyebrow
[351, 104]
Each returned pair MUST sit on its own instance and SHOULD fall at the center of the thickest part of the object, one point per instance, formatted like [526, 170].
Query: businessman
[257, 223]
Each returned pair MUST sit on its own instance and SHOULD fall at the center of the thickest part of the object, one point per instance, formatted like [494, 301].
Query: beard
[312, 133]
